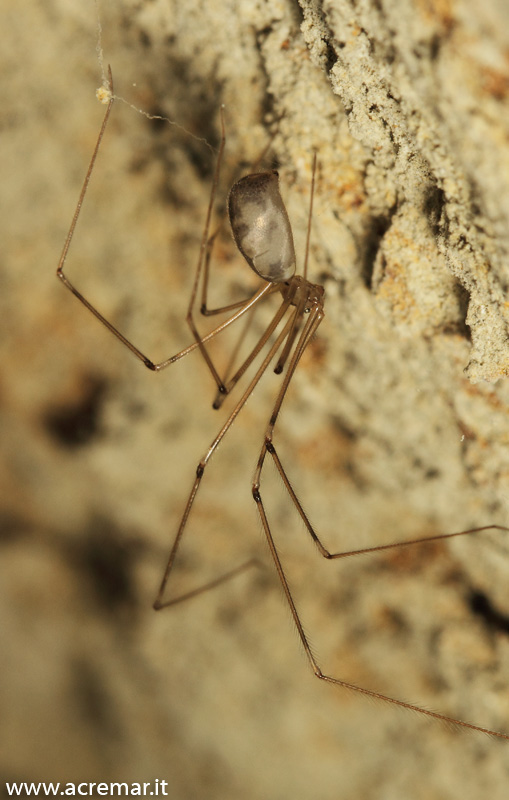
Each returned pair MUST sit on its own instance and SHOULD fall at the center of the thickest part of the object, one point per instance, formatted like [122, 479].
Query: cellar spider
[262, 232]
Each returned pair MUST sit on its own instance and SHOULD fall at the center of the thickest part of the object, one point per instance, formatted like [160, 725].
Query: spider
[263, 234]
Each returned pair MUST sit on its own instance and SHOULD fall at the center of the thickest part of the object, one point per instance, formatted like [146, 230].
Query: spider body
[263, 234]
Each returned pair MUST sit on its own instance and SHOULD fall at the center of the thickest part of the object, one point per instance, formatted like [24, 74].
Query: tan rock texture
[396, 425]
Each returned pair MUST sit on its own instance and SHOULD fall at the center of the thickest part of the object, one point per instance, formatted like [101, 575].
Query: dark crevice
[463, 298]
[482, 607]
[435, 46]
[156, 121]
[106, 562]
[331, 56]
[345, 430]
[195, 103]
[144, 40]
[12, 527]
[377, 229]
[433, 207]
[92, 698]
[77, 423]
[299, 14]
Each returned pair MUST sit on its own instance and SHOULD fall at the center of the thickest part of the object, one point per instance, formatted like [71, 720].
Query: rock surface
[396, 425]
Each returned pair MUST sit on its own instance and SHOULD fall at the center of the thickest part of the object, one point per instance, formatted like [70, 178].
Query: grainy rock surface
[395, 427]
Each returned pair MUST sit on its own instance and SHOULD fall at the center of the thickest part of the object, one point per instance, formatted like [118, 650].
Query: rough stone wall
[395, 427]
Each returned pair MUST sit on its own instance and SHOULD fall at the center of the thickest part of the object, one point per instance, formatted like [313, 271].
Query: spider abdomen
[261, 227]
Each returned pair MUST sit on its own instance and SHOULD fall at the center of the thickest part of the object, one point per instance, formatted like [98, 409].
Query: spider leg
[202, 275]
[267, 447]
[231, 382]
[240, 308]
[204, 309]
[344, 554]
[200, 470]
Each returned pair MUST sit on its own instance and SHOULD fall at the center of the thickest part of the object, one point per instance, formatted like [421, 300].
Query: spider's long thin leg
[231, 382]
[304, 339]
[309, 330]
[204, 309]
[233, 356]
[344, 554]
[243, 307]
[202, 267]
[287, 349]
[159, 602]
[206, 587]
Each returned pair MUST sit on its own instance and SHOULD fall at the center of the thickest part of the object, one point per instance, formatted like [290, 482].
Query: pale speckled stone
[384, 433]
